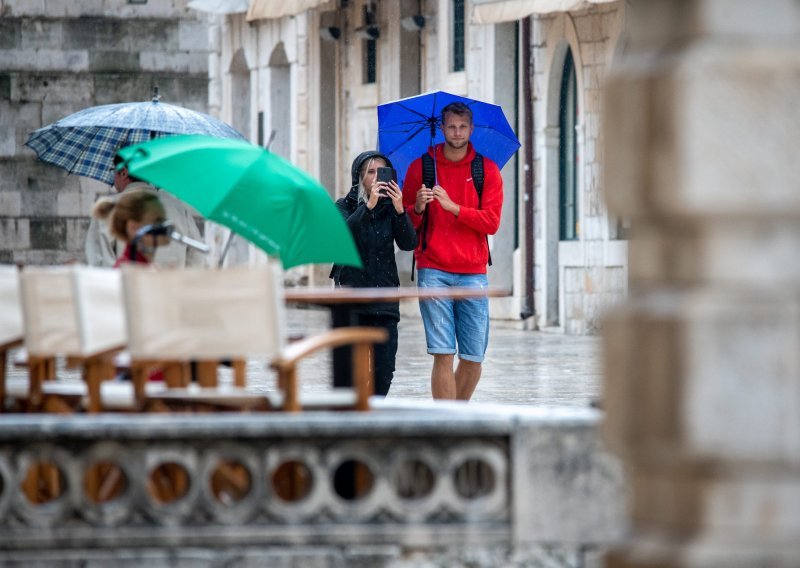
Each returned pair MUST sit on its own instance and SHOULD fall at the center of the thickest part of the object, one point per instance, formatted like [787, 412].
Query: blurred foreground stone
[410, 483]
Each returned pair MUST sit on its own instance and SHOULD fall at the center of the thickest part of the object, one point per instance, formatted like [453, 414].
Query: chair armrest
[362, 337]
[299, 350]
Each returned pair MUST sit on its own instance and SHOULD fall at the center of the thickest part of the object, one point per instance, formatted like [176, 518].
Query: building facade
[308, 81]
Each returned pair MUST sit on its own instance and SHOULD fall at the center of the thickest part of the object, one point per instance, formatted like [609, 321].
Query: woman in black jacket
[376, 217]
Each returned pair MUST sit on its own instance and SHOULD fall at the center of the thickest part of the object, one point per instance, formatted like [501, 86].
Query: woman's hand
[374, 195]
[393, 192]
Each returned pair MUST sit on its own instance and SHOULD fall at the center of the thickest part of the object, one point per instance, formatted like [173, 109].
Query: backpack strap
[477, 181]
[428, 170]
[429, 179]
[477, 175]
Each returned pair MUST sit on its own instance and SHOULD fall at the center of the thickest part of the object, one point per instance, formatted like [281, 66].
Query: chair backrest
[72, 310]
[48, 310]
[204, 314]
[10, 305]
[99, 309]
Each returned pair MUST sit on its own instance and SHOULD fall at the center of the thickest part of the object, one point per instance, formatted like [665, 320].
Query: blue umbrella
[84, 143]
[408, 127]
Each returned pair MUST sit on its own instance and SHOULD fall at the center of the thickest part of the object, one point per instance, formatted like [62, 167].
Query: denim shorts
[455, 326]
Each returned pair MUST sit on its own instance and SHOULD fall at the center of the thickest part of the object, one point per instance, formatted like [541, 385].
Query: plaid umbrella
[84, 143]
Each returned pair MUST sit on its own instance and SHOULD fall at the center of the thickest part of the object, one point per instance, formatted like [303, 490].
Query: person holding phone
[455, 212]
[373, 209]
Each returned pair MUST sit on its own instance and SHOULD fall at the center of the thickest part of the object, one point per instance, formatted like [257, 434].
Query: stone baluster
[703, 361]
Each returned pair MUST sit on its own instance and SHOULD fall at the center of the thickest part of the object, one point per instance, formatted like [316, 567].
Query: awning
[220, 6]
[272, 9]
[496, 11]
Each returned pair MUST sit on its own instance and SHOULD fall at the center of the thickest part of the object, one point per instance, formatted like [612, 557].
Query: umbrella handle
[228, 242]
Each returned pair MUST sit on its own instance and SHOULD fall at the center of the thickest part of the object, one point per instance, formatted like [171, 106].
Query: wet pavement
[521, 367]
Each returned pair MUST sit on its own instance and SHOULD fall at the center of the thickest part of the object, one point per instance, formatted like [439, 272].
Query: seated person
[128, 213]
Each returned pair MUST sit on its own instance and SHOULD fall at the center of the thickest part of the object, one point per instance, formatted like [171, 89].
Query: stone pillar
[703, 362]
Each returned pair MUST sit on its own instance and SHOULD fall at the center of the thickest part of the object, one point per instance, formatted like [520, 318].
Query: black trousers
[385, 353]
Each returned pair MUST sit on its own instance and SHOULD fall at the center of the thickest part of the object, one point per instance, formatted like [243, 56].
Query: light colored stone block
[16, 8]
[80, 8]
[193, 36]
[695, 100]
[10, 204]
[76, 235]
[573, 279]
[688, 377]
[40, 33]
[61, 60]
[579, 497]
[738, 252]
[173, 62]
[55, 88]
[15, 234]
[721, 505]
[68, 204]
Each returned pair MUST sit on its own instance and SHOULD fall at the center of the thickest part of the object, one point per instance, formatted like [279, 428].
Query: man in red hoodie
[453, 223]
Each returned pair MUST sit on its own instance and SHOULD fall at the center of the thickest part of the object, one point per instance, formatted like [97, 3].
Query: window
[369, 50]
[457, 36]
[569, 227]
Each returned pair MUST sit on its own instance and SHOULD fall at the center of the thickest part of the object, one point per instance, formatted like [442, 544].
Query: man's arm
[487, 218]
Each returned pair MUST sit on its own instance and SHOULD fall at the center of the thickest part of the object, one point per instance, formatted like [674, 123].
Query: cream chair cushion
[204, 313]
[10, 308]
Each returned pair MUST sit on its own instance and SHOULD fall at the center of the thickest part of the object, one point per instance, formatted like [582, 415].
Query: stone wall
[702, 368]
[575, 280]
[58, 58]
[435, 485]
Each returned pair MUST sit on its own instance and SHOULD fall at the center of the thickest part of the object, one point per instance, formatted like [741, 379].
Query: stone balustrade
[499, 485]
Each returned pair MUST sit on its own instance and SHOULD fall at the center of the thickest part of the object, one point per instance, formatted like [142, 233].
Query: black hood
[355, 169]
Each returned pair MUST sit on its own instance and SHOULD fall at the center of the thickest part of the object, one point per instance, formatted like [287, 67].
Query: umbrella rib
[410, 136]
[414, 111]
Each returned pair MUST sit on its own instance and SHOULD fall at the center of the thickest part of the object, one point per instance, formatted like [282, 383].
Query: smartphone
[387, 174]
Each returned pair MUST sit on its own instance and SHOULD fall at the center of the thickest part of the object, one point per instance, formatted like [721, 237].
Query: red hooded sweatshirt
[456, 244]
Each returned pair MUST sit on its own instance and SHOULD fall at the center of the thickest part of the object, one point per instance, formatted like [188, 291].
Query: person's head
[129, 212]
[457, 125]
[121, 176]
[365, 170]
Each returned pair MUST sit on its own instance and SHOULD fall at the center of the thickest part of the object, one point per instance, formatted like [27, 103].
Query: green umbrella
[258, 195]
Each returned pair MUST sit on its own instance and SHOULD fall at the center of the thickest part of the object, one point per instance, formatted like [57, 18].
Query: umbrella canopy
[253, 192]
[408, 127]
[84, 143]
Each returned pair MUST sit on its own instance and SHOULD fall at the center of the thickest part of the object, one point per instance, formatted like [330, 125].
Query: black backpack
[429, 179]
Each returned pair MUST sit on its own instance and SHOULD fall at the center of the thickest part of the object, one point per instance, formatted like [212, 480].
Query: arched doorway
[562, 175]
[280, 101]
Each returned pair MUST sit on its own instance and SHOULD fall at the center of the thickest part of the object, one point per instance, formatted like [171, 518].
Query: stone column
[703, 362]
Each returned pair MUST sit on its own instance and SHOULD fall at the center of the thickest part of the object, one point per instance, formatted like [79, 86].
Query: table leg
[342, 316]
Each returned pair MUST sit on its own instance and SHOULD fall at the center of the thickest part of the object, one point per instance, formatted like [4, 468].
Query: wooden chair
[102, 334]
[74, 312]
[11, 332]
[211, 315]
